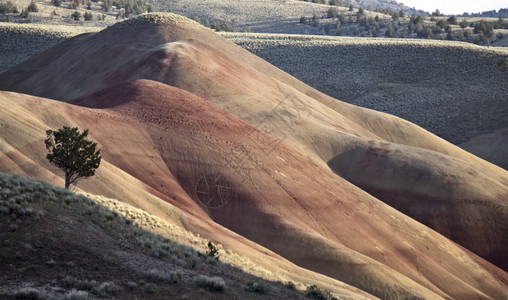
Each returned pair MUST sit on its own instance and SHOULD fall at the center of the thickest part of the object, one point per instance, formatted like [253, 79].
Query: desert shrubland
[167, 254]
[453, 89]
[20, 41]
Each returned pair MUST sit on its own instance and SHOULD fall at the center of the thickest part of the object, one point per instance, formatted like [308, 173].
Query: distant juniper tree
[107, 5]
[315, 19]
[71, 152]
[437, 13]
[390, 32]
[88, 16]
[76, 15]
[484, 27]
[500, 22]
[332, 12]
[453, 20]
[32, 7]
[24, 13]
[195, 18]
[342, 17]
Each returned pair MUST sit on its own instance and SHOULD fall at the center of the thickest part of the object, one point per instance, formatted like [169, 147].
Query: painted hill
[364, 72]
[177, 109]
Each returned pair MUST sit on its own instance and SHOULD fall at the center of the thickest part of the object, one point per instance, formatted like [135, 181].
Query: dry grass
[50, 14]
[261, 16]
[24, 200]
[20, 41]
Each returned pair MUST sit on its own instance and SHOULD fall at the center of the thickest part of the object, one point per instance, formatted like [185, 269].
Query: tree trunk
[67, 179]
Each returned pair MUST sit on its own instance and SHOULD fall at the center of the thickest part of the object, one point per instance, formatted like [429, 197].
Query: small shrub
[315, 292]
[212, 250]
[106, 289]
[453, 20]
[32, 7]
[246, 29]
[51, 263]
[258, 287]
[214, 284]
[155, 275]
[193, 262]
[69, 282]
[24, 13]
[76, 295]
[28, 294]
[76, 15]
[88, 16]
[150, 288]
[131, 285]
[290, 285]
[332, 12]
[196, 18]
[4, 211]
[72, 282]
[315, 20]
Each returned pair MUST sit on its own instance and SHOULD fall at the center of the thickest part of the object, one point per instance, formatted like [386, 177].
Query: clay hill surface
[203, 134]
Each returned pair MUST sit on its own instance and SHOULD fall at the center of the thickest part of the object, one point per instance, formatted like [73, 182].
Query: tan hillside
[57, 244]
[207, 111]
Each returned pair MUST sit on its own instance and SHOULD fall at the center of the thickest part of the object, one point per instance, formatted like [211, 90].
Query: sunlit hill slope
[202, 133]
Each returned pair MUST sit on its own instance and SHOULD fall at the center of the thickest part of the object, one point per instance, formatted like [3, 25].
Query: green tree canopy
[71, 152]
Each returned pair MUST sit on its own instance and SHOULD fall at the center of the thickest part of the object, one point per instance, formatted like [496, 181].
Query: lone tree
[71, 152]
